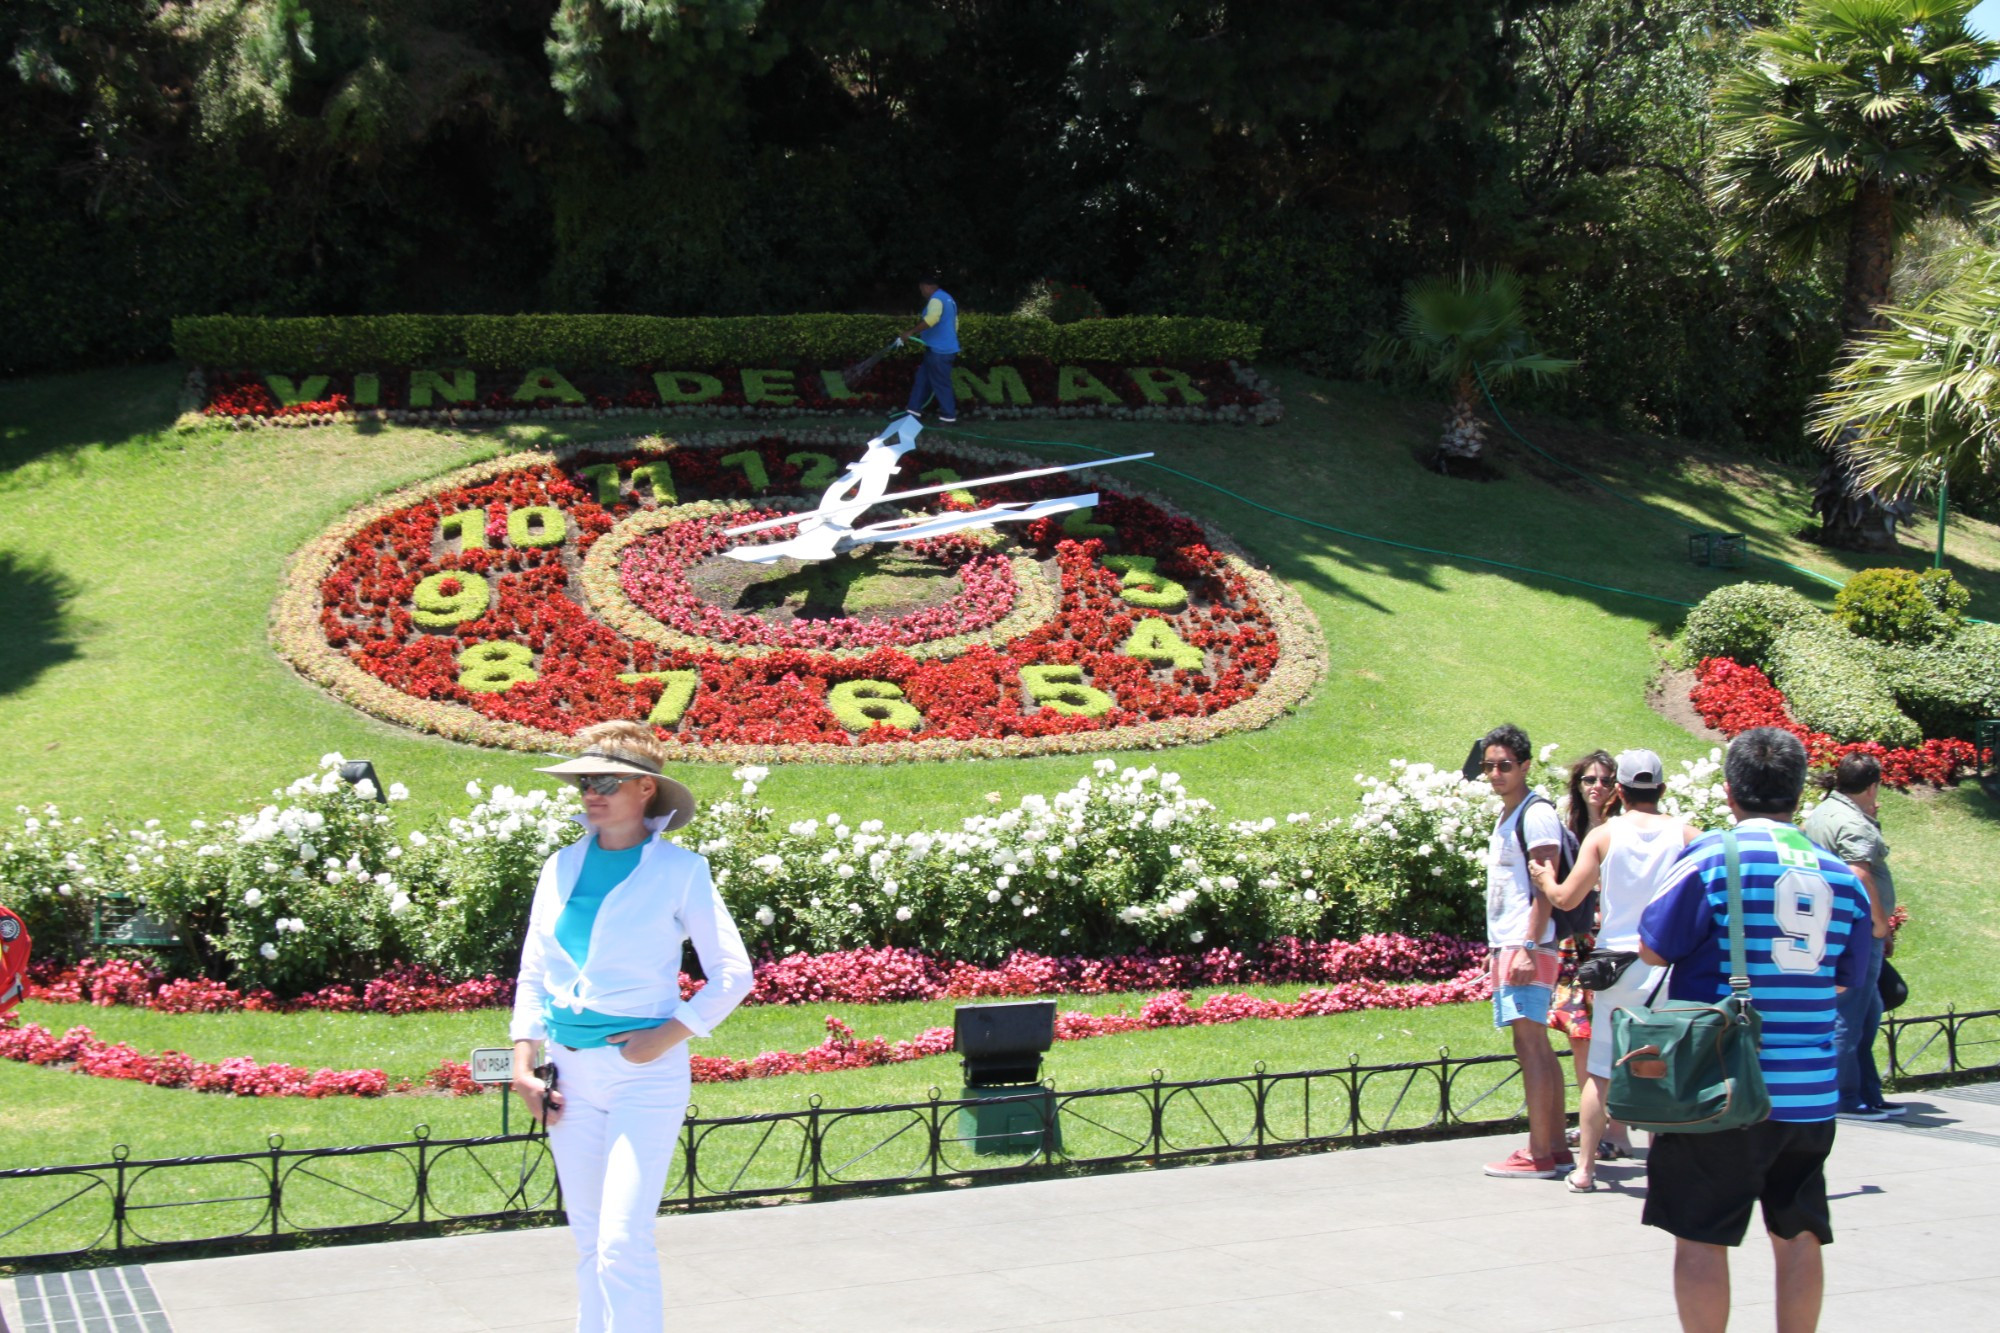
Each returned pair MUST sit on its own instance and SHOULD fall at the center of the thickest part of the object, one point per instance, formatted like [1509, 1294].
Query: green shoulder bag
[1692, 1068]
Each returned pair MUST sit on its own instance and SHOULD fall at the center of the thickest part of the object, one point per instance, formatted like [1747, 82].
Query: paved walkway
[1407, 1238]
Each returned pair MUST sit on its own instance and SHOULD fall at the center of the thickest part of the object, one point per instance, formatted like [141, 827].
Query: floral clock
[517, 601]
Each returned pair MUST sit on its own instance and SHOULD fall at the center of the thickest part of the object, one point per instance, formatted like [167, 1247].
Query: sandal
[1576, 1183]
[1573, 1137]
[1607, 1151]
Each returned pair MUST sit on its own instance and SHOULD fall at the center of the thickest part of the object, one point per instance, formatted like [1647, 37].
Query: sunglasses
[1589, 781]
[1497, 766]
[603, 784]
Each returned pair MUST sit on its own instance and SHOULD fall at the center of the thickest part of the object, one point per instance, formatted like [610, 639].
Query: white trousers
[613, 1145]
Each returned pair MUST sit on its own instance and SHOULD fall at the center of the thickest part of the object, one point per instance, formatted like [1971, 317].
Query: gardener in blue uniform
[1806, 938]
[938, 332]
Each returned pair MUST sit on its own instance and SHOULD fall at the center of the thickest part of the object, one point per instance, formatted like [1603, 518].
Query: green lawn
[137, 568]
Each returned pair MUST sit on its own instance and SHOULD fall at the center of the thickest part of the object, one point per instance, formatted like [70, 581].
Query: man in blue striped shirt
[1802, 909]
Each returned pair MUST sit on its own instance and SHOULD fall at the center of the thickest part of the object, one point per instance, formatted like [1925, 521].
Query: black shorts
[1700, 1186]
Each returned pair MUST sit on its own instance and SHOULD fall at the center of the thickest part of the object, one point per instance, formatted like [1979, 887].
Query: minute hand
[856, 506]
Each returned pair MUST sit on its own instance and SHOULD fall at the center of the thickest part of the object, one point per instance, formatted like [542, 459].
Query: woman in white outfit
[600, 986]
[1626, 857]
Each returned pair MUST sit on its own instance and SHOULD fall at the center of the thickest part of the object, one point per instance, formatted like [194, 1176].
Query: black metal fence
[124, 1206]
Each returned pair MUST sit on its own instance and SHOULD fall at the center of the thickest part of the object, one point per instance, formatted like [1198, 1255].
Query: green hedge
[1741, 620]
[1950, 685]
[371, 342]
[1832, 686]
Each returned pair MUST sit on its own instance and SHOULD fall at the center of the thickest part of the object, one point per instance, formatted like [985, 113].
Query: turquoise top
[602, 872]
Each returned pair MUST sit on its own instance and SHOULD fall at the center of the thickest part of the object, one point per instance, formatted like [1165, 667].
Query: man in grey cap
[1627, 856]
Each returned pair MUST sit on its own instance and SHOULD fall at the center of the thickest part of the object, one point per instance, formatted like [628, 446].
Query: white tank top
[1634, 865]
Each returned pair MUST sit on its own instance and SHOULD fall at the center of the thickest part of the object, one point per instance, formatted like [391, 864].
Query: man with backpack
[1804, 933]
[1521, 946]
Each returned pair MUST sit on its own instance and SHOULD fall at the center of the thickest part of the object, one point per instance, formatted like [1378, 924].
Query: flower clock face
[518, 601]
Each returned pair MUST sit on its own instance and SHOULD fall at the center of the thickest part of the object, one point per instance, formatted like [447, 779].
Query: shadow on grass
[56, 419]
[41, 632]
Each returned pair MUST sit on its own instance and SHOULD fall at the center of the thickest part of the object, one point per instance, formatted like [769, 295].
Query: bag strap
[1521, 820]
[1739, 969]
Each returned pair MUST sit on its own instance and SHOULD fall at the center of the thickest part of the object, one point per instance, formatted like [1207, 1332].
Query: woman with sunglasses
[599, 987]
[1593, 798]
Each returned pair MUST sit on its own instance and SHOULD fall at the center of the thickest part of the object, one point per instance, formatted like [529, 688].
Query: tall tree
[1850, 123]
[1918, 402]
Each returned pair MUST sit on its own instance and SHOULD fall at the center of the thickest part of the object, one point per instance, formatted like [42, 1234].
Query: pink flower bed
[906, 973]
[851, 976]
[241, 1076]
[654, 576]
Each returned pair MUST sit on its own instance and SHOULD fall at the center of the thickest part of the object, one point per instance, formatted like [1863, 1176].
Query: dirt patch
[873, 585]
[1669, 698]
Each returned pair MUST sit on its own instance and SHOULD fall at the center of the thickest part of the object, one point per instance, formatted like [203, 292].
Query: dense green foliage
[1741, 620]
[1832, 685]
[1282, 164]
[1900, 605]
[371, 342]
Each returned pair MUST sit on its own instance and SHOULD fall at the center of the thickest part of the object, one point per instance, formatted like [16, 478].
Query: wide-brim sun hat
[671, 801]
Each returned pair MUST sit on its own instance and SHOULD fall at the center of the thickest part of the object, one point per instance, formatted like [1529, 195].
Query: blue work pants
[934, 381]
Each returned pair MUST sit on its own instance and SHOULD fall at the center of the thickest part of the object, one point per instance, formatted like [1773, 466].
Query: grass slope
[137, 567]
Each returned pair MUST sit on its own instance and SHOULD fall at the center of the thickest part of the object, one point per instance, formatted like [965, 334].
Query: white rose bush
[320, 887]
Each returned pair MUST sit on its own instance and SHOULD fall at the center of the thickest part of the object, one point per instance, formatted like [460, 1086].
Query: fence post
[813, 1137]
[937, 1142]
[1159, 1119]
[1444, 1086]
[1354, 1095]
[119, 1153]
[687, 1155]
[1951, 1038]
[276, 1144]
[1257, 1069]
[422, 1133]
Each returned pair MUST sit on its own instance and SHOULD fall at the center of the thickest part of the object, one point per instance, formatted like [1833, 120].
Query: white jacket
[633, 965]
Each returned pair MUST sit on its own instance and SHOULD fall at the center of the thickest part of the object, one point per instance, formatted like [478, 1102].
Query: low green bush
[1899, 606]
[370, 342]
[1832, 685]
[1948, 685]
[1741, 620]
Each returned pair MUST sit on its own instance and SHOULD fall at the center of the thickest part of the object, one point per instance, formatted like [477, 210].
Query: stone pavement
[1408, 1238]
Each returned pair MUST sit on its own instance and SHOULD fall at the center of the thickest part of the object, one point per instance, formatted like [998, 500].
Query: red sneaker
[1519, 1165]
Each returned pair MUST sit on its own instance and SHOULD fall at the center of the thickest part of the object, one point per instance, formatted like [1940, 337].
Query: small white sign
[493, 1064]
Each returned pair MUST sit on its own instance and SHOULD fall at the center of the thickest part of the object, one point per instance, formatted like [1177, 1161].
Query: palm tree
[1458, 331]
[1849, 124]
[1918, 400]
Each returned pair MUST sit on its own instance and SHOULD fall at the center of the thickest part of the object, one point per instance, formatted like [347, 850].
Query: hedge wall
[370, 342]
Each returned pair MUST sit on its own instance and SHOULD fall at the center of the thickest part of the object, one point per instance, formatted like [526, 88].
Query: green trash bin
[1011, 1120]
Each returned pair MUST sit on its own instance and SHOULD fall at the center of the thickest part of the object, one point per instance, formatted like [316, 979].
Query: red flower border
[1733, 698]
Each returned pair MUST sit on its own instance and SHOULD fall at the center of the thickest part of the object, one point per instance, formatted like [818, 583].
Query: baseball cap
[1641, 768]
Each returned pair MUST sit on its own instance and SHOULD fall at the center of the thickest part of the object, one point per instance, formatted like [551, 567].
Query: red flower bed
[1733, 698]
[565, 667]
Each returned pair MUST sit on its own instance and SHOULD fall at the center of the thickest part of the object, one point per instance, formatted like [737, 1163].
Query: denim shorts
[1517, 1002]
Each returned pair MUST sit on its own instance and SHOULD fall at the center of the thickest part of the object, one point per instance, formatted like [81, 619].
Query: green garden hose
[1328, 527]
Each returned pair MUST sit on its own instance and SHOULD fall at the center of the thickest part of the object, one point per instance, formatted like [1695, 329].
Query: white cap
[1641, 768]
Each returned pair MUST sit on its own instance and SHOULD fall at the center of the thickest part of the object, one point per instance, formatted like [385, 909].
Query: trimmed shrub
[372, 342]
[1741, 620]
[1947, 685]
[1896, 606]
[1832, 686]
